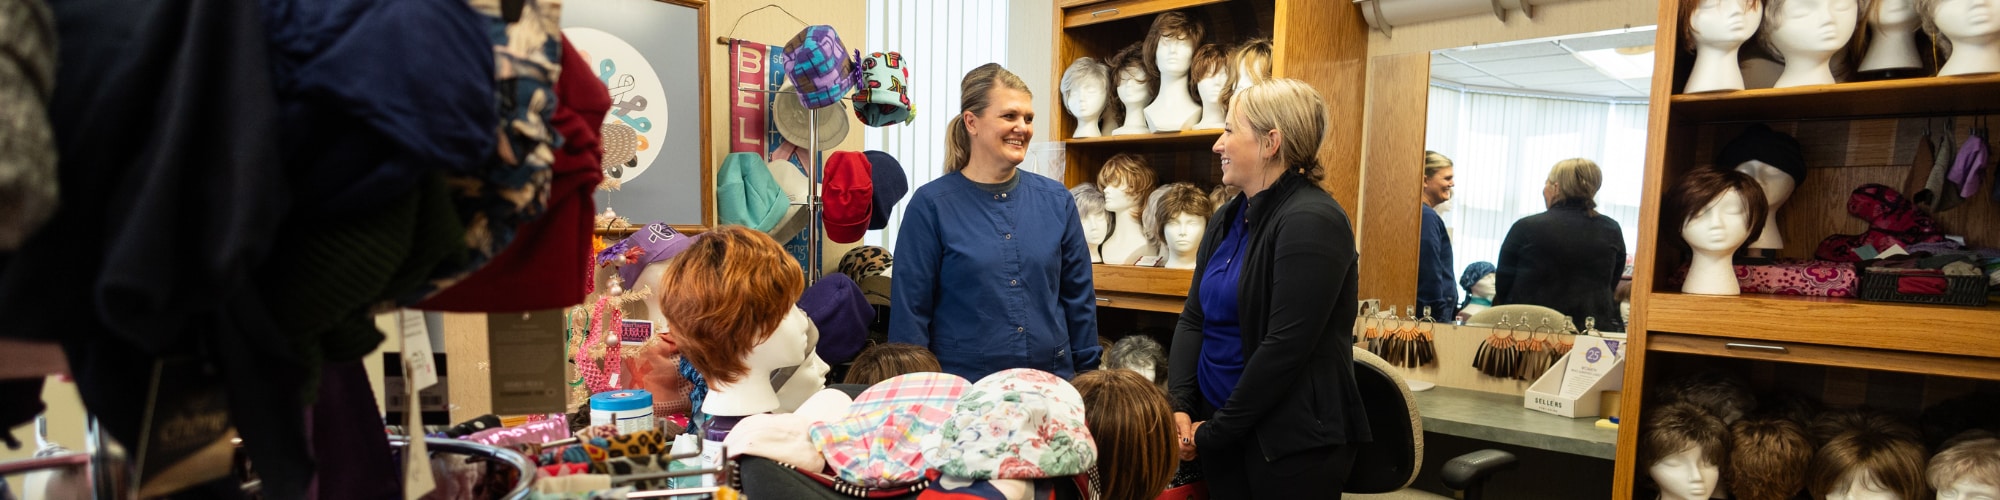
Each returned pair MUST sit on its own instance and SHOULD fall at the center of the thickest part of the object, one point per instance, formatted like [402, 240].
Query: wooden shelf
[1844, 357]
[1945, 95]
[1188, 137]
[1120, 9]
[1961, 331]
[1142, 288]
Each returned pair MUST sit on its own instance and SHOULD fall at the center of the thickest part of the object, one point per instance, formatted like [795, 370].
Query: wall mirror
[1527, 128]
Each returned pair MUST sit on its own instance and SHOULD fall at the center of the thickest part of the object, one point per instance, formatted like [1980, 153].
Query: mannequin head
[1478, 279]
[1574, 180]
[1133, 424]
[1892, 15]
[1170, 46]
[1720, 394]
[1830, 424]
[1718, 210]
[1125, 178]
[1805, 30]
[1141, 355]
[1868, 464]
[1767, 458]
[1683, 449]
[1437, 178]
[1772, 158]
[1623, 294]
[881, 362]
[1252, 60]
[1135, 86]
[1090, 206]
[1723, 24]
[1086, 88]
[731, 289]
[1959, 21]
[1209, 80]
[1176, 215]
[1968, 468]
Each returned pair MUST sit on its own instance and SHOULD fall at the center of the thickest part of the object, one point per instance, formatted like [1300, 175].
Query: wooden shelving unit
[1322, 43]
[1853, 133]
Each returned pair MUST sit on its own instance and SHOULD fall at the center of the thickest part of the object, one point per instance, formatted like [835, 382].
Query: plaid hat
[849, 196]
[655, 243]
[783, 436]
[881, 95]
[747, 195]
[890, 186]
[877, 445]
[842, 315]
[1014, 424]
[817, 63]
[797, 187]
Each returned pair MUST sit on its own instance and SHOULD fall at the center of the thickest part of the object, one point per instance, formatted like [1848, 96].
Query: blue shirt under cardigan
[1221, 362]
[991, 281]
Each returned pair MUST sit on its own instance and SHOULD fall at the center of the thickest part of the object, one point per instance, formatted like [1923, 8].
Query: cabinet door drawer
[1087, 13]
[1825, 355]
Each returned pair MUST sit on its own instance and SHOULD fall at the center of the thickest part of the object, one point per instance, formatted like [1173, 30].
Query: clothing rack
[813, 171]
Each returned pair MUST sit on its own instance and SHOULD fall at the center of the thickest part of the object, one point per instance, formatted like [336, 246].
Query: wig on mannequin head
[1702, 186]
[1925, 9]
[1253, 54]
[1893, 461]
[1210, 59]
[1140, 354]
[1832, 423]
[1974, 455]
[1767, 458]
[1085, 69]
[1134, 428]
[1675, 427]
[730, 289]
[1128, 57]
[1222, 193]
[1721, 394]
[1687, 26]
[1168, 202]
[1169, 24]
[1089, 199]
[881, 362]
[1129, 171]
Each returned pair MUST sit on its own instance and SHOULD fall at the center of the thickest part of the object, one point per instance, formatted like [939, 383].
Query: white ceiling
[1542, 65]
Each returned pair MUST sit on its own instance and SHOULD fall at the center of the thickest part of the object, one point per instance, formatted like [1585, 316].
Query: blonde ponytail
[956, 144]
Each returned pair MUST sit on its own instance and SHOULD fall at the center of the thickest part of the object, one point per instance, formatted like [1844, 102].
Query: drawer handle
[1770, 349]
[1103, 300]
[1105, 12]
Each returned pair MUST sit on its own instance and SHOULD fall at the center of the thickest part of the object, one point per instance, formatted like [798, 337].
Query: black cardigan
[1566, 259]
[1296, 302]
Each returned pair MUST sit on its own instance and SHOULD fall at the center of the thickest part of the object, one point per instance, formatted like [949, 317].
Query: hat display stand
[812, 205]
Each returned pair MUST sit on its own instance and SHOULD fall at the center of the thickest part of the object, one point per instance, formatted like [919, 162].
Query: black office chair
[1391, 462]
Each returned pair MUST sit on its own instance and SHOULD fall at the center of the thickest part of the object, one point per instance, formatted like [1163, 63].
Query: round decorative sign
[637, 99]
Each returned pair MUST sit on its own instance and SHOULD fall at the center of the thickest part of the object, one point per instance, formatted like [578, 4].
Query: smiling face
[1183, 232]
[1174, 56]
[1723, 22]
[1685, 475]
[1242, 155]
[1132, 87]
[1719, 227]
[1003, 131]
[1096, 226]
[1813, 26]
[1967, 20]
[1437, 188]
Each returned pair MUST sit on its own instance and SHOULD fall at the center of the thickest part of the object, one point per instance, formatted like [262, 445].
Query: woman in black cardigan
[1568, 258]
[1262, 370]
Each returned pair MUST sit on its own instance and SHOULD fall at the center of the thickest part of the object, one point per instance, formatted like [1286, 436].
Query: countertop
[1500, 418]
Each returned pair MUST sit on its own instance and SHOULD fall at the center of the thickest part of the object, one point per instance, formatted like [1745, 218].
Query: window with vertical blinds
[942, 41]
[1502, 146]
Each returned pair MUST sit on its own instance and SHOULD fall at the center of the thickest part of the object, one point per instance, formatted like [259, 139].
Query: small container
[631, 410]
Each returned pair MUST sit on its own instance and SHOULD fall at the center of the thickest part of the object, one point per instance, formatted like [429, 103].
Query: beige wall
[1030, 47]
[1574, 16]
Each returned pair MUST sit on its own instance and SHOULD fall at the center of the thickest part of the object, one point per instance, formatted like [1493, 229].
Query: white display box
[1578, 398]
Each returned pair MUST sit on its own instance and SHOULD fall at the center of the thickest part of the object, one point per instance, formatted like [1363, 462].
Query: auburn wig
[724, 295]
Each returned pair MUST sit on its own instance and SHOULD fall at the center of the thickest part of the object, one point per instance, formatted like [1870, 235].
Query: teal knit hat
[747, 195]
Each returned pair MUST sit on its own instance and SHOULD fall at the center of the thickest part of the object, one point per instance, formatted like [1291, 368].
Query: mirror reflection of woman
[1568, 258]
[1436, 290]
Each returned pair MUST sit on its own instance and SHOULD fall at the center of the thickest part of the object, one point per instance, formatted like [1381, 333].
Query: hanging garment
[1971, 164]
[27, 144]
[1939, 193]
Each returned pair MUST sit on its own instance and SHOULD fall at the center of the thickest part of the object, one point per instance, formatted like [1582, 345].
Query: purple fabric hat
[818, 65]
[842, 314]
[656, 242]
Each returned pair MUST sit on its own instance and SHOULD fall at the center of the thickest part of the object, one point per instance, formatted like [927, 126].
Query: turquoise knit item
[747, 195]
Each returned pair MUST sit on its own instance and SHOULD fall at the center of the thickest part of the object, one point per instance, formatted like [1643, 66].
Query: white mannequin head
[1685, 475]
[1683, 448]
[1124, 178]
[788, 347]
[1872, 461]
[1133, 89]
[1090, 207]
[1808, 31]
[1211, 74]
[1967, 32]
[1967, 467]
[1096, 226]
[1485, 287]
[1252, 60]
[1086, 87]
[1720, 227]
[1777, 184]
[1183, 233]
[1721, 24]
[798, 382]
[1176, 216]
[1170, 43]
[733, 332]
[1718, 210]
[1174, 56]
[1969, 489]
[1894, 15]
[1211, 87]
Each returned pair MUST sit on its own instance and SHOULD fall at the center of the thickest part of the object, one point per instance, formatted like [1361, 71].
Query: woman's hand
[1185, 428]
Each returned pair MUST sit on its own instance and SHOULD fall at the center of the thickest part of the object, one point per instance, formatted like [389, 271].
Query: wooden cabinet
[1322, 43]
[1852, 133]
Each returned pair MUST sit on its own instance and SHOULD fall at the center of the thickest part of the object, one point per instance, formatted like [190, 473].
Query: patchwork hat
[798, 124]
[890, 186]
[747, 195]
[784, 437]
[654, 243]
[879, 444]
[842, 314]
[881, 93]
[797, 187]
[849, 196]
[1014, 424]
[817, 63]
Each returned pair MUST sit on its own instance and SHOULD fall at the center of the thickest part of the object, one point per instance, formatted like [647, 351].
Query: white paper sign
[417, 458]
[1589, 361]
[418, 363]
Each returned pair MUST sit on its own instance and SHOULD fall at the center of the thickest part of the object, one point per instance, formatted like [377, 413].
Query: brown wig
[725, 295]
[1171, 24]
[1974, 455]
[1222, 193]
[1130, 171]
[885, 361]
[1210, 59]
[1128, 57]
[1703, 186]
[1767, 458]
[1894, 463]
[1254, 54]
[1171, 201]
[1720, 394]
[1134, 428]
[1675, 427]
[1687, 28]
[1832, 423]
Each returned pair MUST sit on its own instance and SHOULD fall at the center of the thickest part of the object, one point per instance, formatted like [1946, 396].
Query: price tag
[417, 479]
[419, 366]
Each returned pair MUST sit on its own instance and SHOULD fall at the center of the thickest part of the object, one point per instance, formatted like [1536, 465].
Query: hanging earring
[1483, 360]
[1426, 349]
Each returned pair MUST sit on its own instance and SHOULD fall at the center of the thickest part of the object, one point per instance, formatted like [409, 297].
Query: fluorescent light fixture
[1620, 64]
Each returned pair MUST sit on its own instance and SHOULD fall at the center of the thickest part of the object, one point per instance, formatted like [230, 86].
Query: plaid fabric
[817, 63]
[939, 390]
[879, 444]
[1014, 424]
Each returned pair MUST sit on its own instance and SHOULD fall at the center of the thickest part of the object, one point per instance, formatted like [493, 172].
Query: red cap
[848, 191]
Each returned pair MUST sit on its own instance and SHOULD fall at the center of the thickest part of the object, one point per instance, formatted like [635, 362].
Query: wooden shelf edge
[1089, 13]
[1845, 357]
[1140, 301]
[1142, 280]
[1911, 96]
[1162, 137]
[1965, 331]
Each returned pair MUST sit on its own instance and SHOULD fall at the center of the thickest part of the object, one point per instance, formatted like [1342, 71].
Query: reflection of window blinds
[942, 41]
[1502, 147]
